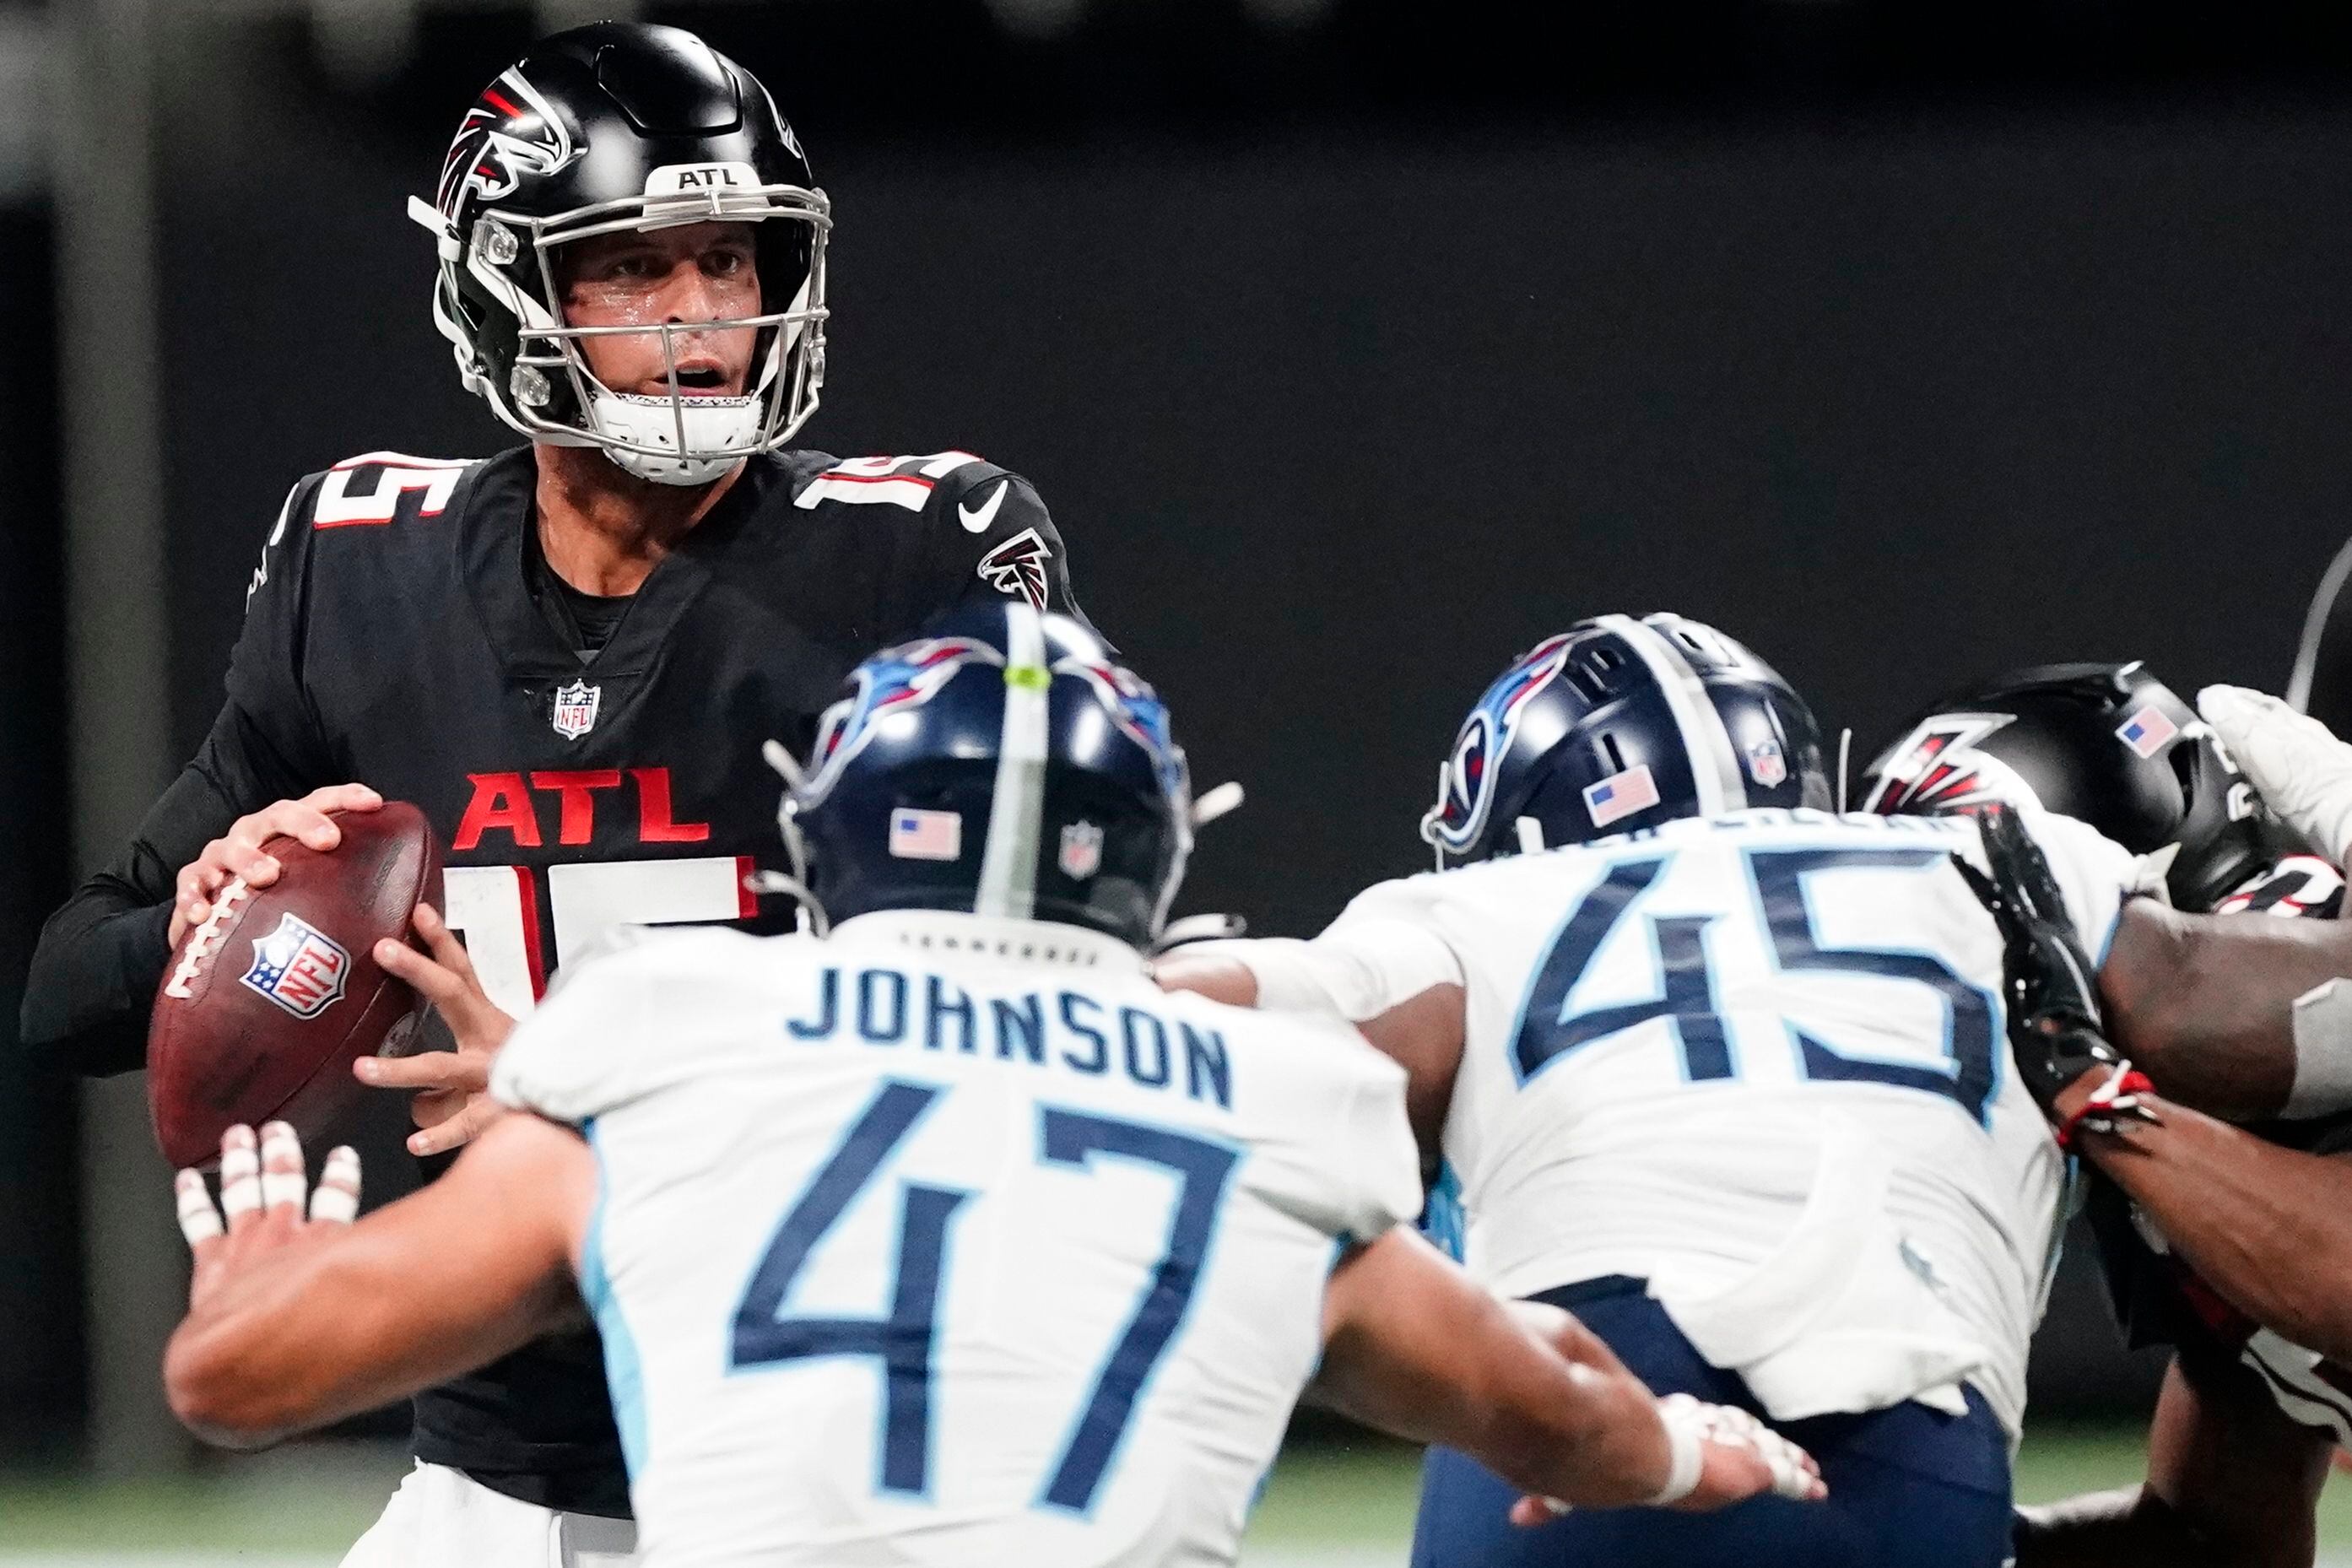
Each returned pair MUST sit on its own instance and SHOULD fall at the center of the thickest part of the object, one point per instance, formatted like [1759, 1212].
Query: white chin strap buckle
[719, 431]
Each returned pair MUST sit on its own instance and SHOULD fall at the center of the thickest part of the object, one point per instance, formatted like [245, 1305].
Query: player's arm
[1412, 1346]
[1399, 984]
[292, 1326]
[2269, 1228]
[2206, 1006]
[92, 980]
[2232, 1483]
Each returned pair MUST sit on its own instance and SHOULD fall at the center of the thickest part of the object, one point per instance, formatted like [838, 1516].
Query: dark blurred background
[1354, 344]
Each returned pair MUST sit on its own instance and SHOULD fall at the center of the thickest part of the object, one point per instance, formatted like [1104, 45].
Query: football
[271, 999]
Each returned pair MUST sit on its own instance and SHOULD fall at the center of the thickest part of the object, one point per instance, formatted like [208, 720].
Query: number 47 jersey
[952, 1243]
[1759, 1061]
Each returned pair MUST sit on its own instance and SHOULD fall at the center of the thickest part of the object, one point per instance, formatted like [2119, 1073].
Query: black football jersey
[2157, 1298]
[391, 637]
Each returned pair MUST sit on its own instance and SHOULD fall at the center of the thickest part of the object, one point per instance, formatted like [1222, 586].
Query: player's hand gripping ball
[278, 990]
[262, 1192]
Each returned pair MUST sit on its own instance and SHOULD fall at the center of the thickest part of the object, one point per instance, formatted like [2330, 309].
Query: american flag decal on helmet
[1017, 568]
[510, 132]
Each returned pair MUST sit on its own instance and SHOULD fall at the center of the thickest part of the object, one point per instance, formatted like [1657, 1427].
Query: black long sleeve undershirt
[93, 977]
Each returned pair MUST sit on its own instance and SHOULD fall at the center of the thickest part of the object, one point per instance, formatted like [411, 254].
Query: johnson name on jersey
[1758, 1060]
[907, 1256]
[393, 636]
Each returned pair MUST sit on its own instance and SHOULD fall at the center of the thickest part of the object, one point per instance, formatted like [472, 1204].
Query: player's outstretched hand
[262, 1186]
[237, 853]
[2053, 1002]
[1721, 1456]
[453, 1102]
[2297, 765]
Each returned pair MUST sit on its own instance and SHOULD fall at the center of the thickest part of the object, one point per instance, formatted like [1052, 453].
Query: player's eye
[727, 263]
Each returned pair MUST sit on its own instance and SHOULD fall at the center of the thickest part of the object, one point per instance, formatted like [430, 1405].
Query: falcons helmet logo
[1018, 566]
[510, 132]
[1937, 768]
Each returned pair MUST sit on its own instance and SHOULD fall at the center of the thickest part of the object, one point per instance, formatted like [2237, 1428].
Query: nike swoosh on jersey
[977, 521]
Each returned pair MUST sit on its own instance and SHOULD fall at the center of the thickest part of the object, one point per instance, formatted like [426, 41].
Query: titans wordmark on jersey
[393, 636]
[910, 1257]
[1703, 1055]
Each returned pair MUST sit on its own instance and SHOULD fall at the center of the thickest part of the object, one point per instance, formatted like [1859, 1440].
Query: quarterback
[565, 653]
[947, 1238]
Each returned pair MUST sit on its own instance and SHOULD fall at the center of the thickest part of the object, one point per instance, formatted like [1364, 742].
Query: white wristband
[1685, 1457]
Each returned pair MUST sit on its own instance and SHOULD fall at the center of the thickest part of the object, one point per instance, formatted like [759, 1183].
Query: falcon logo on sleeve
[1017, 568]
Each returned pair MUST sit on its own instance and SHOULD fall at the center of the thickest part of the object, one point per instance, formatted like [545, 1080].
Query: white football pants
[442, 1518]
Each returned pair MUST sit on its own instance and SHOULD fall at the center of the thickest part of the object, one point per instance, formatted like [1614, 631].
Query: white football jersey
[948, 1242]
[1751, 1058]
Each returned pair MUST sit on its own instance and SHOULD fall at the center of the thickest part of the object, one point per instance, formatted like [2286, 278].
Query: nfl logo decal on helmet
[1765, 762]
[574, 713]
[299, 967]
[1081, 851]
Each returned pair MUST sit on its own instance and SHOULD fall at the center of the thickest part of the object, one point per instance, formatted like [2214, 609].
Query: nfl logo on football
[299, 967]
[575, 709]
[1081, 855]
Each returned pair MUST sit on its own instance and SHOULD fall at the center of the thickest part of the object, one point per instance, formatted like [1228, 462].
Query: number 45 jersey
[1759, 1061]
[954, 1243]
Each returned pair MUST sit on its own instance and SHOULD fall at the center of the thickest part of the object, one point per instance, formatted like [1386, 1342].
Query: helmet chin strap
[718, 432]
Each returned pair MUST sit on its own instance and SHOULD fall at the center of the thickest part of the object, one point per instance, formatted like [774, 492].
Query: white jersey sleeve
[1384, 949]
[1357, 1173]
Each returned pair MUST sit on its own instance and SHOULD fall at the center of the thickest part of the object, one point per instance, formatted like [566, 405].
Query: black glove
[2053, 999]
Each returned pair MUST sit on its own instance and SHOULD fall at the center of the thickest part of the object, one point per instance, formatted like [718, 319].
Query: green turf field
[1326, 1508]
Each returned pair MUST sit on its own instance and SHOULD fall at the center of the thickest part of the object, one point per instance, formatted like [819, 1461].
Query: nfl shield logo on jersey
[299, 967]
[1766, 765]
[1081, 855]
[575, 709]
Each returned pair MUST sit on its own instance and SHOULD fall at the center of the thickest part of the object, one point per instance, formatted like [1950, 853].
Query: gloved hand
[2297, 765]
[2051, 996]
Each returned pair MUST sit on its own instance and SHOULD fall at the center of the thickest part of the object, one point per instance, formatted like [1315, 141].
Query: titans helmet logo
[1937, 768]
[1138, 711]
[510, 132]
[896, 680]
[1466, 780]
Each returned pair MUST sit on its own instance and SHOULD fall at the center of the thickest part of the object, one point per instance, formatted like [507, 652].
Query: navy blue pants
[1908, 1485]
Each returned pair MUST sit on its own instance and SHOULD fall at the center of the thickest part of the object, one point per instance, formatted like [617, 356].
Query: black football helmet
[1002, 765]
[2108, 744]
[606, 127]
[1616, 725]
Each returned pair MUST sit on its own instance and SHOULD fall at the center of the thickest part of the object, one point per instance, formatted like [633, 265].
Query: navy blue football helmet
[1617, 724]
[1000, 764]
